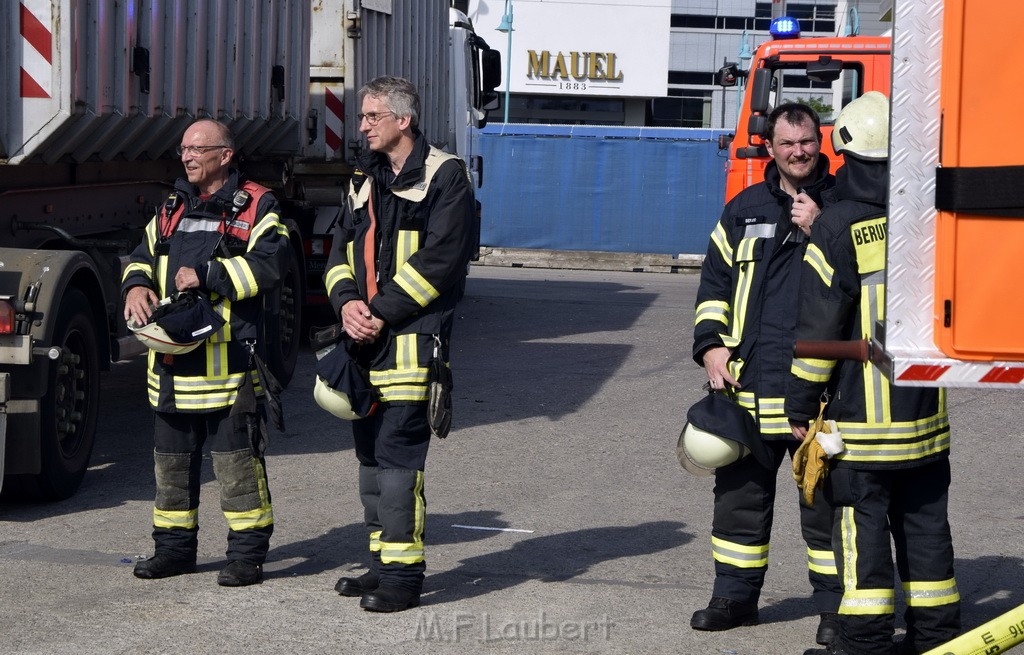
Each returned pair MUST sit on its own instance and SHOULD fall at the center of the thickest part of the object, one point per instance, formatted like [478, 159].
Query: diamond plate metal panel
[914, 139]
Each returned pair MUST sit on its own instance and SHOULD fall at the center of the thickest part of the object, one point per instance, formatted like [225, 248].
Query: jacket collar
[377, 165]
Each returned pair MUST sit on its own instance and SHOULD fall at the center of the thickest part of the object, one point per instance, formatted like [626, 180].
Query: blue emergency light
[785, 27]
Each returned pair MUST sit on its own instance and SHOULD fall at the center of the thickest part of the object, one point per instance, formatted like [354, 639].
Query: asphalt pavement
[559, 520]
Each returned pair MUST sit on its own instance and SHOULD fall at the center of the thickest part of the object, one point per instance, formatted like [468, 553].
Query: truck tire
[282, 329]
[68, 411]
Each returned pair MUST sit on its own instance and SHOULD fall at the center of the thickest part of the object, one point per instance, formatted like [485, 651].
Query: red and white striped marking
[955, 373]
[36, 49]
[334, 121]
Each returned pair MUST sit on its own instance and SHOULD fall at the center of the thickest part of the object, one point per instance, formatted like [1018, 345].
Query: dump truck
[96, 95]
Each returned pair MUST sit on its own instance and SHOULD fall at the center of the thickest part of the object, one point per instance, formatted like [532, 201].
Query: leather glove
[810, 461]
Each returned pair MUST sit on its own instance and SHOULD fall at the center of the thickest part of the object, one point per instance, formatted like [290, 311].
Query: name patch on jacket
[869, 244]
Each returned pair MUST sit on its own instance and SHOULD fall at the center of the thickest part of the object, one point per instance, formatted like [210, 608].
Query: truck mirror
[825, 69]
[725, 140]
[760, 91]
[728, 75]
[757, 125]
[490, 100]
[490, 71]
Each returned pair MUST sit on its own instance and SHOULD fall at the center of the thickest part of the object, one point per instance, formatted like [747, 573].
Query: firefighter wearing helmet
[891, 483]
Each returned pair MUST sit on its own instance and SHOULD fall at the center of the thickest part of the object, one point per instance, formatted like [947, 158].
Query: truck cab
[827, 72]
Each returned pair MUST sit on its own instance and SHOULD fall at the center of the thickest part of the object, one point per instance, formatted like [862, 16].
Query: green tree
[818, 105]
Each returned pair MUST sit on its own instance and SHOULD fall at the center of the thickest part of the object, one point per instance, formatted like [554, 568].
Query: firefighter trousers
[908, 506]
[742, 525]
[179, 439]
[391, 446]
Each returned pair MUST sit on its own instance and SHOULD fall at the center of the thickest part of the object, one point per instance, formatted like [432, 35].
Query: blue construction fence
[611, 189]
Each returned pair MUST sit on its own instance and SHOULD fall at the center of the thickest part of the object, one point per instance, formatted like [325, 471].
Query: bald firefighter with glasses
[217, 236]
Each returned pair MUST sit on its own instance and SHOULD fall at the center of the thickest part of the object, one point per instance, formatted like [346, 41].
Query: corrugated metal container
[365, 39]
[102, 80]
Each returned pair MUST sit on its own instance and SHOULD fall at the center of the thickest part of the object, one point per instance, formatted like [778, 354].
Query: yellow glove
[810, 462]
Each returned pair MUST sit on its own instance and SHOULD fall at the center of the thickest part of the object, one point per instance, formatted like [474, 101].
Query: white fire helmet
[701, 452]
[862, 128]
[334, 401]
[156, 338]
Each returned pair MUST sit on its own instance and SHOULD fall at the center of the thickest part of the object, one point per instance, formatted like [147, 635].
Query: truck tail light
[6, 317]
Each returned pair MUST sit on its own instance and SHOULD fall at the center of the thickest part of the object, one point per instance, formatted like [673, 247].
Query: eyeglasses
[195, 151]
[373, 117]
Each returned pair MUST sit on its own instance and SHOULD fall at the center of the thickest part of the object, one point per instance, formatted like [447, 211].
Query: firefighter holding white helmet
[743, 337]
[892, 480]
[218, 241]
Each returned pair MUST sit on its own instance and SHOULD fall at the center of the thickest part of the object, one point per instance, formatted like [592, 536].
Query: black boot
[724, 614]
[240, 573]
[828, 628]
[390, 598]
[162, 565]
[365, 583]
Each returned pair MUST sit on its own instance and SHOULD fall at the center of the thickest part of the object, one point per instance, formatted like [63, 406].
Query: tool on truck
[96, 96]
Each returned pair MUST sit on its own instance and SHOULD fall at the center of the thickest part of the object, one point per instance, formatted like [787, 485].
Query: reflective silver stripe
[898, 430]
[199, 225]
[889, 452]
[759, 231]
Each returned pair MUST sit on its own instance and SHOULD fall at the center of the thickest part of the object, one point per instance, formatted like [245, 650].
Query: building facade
[651, 63]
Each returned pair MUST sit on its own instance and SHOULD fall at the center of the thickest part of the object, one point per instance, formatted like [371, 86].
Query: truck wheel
[282, 333]
[69, 409]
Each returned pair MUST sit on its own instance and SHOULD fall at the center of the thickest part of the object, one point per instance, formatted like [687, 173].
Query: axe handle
[859, 350]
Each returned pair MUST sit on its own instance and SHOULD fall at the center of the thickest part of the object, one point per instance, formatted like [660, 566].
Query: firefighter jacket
[842, 298]
[238, 252]
[403, 246]
[747, 298]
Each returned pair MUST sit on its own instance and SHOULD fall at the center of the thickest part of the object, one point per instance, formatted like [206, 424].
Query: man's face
[385, 135]
[795, 149]
[206, 167]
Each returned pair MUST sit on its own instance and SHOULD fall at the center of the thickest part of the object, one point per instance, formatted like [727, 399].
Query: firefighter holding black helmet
[217, 237]
[743, 337]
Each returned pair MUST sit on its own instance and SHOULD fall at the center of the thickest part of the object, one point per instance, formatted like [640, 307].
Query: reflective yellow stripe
[743, 286]
[876, 386]
[867, 601]
[337, 274]
[931, 594]
[412, 552]
[269, 222]
[739, 555]
[241, 276]
[859, 452]
[848, 537]
[375, 541]
[822, 561]
[720, 239]
[137, 267]
[816, 260]
[712, 310]
[417, 286]
[812, 370]
[771, 405]
[747, 400]
[405, 392]
[774, 425]
[408, 243]
[260, 517]
[187, 519]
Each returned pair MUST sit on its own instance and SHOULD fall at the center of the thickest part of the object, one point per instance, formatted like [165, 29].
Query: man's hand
[359, 323]
[799, 429]
[137, 304]
[805, 212]
[716, 362]
[186, 278]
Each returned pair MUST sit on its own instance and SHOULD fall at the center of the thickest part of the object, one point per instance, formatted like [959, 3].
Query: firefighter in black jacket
[397, 268]
[743, 336]
[220, 234]
[892, 479]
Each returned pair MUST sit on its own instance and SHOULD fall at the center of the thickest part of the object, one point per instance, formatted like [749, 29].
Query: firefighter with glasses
[397, 269]
[218, 239]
